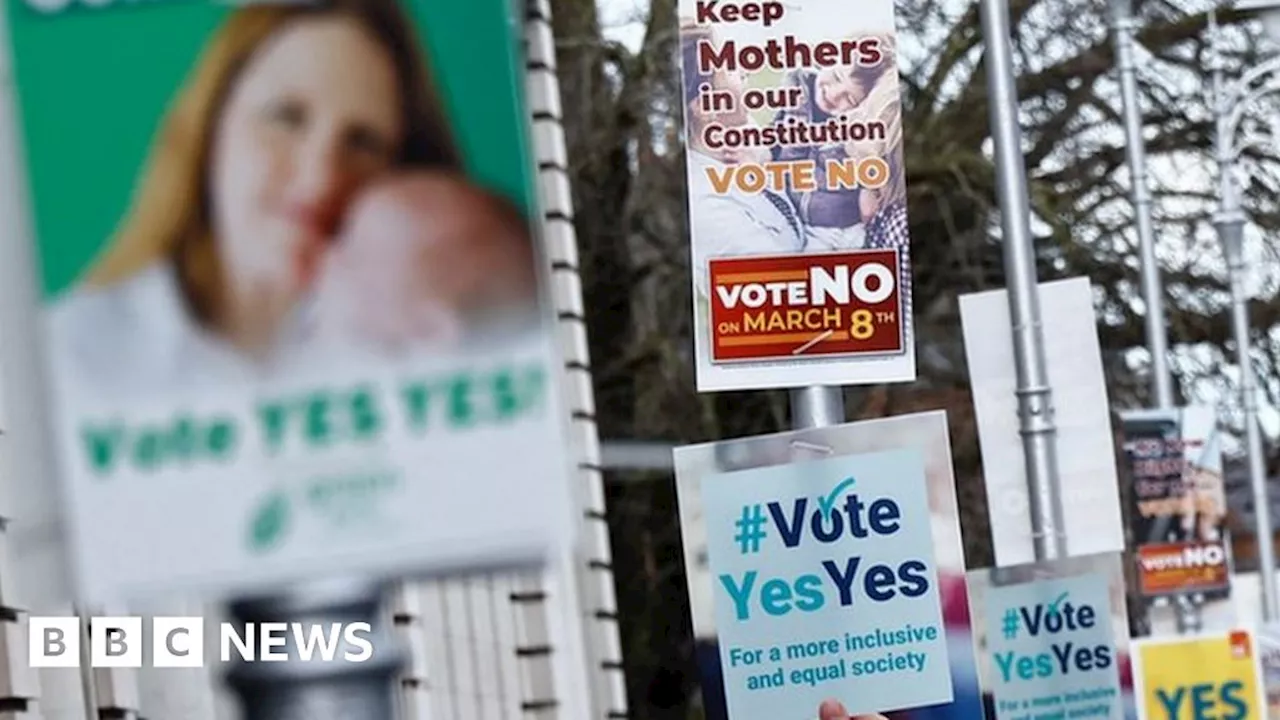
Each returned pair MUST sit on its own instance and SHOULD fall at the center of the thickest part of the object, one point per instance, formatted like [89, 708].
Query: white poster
[827, 563]
[1085, 444]
[797, 194]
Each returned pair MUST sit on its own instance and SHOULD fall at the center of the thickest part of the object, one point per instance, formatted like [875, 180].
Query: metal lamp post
[1229, 221]
[1123, 27]
[1229, 107]
[1035, 397]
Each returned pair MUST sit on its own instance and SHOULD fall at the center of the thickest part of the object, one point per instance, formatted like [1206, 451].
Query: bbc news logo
[179, 642]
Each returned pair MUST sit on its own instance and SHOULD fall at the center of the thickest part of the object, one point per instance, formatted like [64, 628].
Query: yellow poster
[1209, 677]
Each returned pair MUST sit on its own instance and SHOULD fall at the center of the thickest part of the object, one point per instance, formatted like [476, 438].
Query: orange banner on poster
[1182, 566]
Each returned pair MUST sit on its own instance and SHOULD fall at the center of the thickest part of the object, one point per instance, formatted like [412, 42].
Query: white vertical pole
[594, 572]
[33, 522]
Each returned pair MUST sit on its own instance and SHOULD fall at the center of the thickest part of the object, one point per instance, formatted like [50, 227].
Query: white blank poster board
[1086, 450]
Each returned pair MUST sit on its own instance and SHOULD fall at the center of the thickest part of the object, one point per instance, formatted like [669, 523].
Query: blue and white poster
[905, 459]
[826, 586]
[1053, 638]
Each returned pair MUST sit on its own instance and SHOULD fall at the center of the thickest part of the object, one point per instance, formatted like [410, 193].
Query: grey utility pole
[1123, 27]
[816, 406]
[1035, 398]
[1229, 222]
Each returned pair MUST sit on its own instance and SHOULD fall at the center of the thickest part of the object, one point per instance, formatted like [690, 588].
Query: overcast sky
[623, 20]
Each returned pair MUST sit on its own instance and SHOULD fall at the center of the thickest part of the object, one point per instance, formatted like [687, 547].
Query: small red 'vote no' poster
[806, 305]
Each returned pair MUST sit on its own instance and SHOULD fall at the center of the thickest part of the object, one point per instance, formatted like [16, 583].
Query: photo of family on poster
[303, 201]
[740, 223]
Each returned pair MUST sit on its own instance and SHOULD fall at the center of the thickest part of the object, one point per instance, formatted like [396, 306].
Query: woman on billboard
[295, 117]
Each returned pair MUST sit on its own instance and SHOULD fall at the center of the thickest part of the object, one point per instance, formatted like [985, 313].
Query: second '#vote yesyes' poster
[1052, 638]
[833, 570]
[290, 288]
[797, 194]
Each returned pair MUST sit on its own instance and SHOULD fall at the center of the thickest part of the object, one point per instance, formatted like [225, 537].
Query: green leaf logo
[269, 522]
